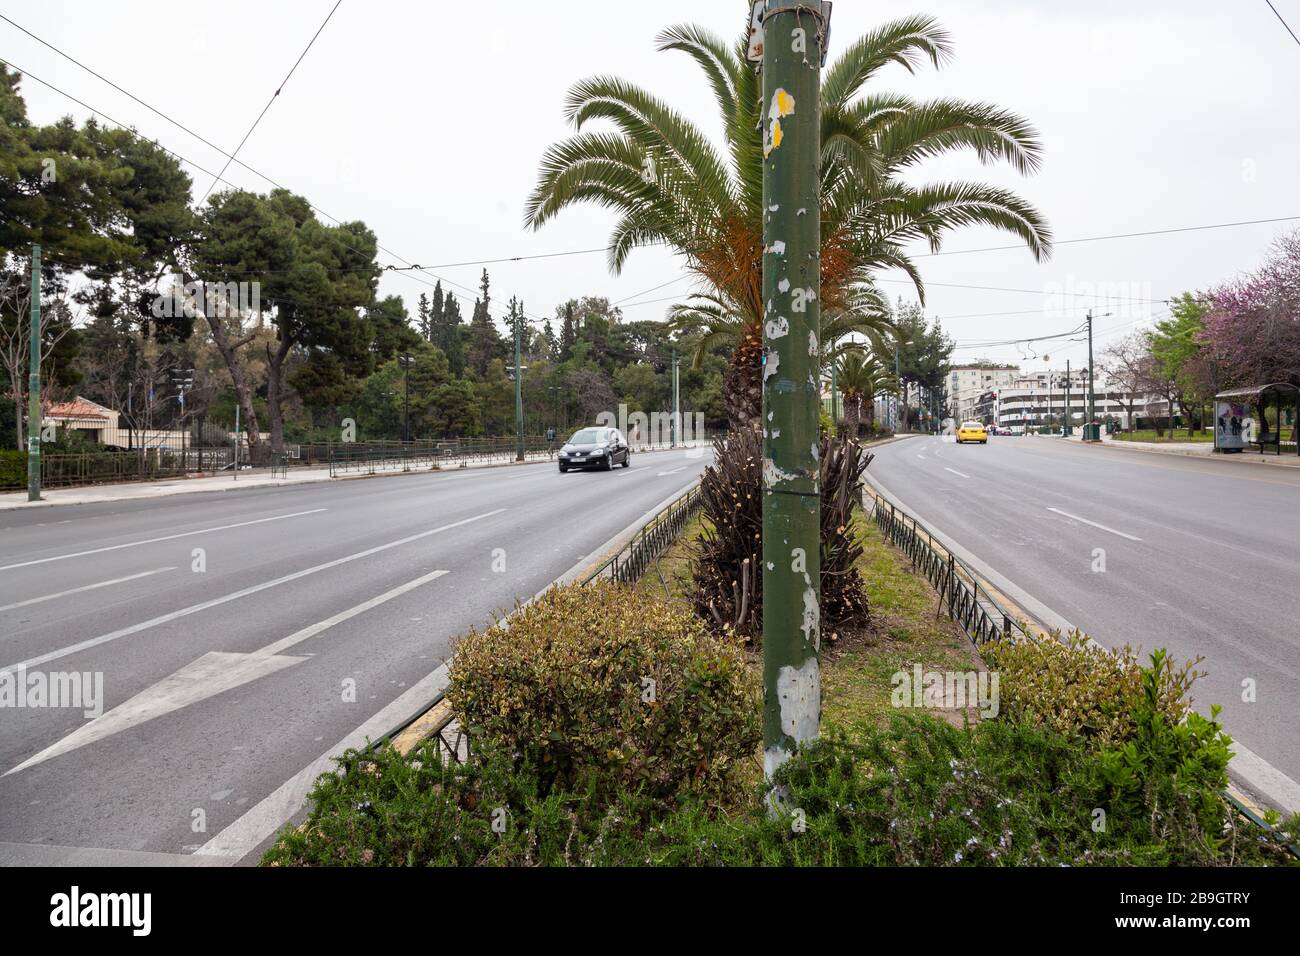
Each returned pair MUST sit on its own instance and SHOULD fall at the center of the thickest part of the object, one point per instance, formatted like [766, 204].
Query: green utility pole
[519, 390]
[793, 37]
[34, 385]
[898, 377]
[1069, 415]
[677, 409]
[1090, 431]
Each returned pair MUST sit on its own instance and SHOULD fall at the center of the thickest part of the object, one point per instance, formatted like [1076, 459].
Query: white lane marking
[673, 472]
[168, 537]
[1094, 524]
[243, 835]
[211, 674]
[956, 472]
[87, 587]
[235, 596]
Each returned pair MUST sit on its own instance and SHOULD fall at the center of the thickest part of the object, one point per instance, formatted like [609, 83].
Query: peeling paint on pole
[791, 394]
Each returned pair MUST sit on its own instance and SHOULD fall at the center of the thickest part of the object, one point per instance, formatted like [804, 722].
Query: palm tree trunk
[742, 386]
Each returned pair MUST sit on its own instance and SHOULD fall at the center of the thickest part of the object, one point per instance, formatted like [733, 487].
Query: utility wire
[1283, 22]
[1122, 235]
[288, 75]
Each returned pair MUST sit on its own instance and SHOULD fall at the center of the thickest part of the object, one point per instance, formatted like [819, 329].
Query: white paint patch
[777, 328]
[772, 474]
[773, 757]
[771, 365]
[776, 248]
[811, 625]
[799, 691]
[783, 285]
[803, 211]
[812, 343]
[773, 208]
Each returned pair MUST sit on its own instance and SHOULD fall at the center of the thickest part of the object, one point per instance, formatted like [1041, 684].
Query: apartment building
[966, 383]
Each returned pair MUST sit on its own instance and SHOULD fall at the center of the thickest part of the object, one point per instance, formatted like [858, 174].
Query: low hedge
[595, 687]
[919, 792]
[1079, 688]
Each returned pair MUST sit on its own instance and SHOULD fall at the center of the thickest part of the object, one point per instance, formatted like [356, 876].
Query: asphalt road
[1202, 557]
[313, 606]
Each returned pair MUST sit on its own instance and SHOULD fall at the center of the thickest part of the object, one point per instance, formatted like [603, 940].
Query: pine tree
[423, 319]
[485, 342]
[568, 333]
[448, 330]
[437, 316]
[548, 336]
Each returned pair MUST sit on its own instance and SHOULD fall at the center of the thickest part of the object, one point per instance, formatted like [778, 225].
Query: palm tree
[862, 377]
[671, 186]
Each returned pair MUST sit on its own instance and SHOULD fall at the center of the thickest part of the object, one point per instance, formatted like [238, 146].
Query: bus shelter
[1263, 416]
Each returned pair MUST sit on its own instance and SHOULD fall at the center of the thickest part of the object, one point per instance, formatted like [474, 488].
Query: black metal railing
[65, 470]
[963, 594]
[634, 558]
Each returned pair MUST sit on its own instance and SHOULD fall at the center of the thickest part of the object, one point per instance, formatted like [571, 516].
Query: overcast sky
[426, 120]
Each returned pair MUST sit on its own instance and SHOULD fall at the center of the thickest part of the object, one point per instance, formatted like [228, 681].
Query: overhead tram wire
[288, 76]
[407, 266]
[1283, 22]
[410, 267]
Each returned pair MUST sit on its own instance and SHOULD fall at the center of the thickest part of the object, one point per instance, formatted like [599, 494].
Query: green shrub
[597, 687]
[1078, 688]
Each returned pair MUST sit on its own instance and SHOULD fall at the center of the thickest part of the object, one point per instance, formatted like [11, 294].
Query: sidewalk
[1197, 449]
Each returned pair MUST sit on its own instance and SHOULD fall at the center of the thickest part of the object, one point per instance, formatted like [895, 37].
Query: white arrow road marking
[1094, 524]
[168, 537]
[87, 587]
[235, 596]
[956, 472]
[673, 472]
[213, 673]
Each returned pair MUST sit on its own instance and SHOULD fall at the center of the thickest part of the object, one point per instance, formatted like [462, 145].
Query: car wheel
[627, 459]
[563, 469]
[609, 463]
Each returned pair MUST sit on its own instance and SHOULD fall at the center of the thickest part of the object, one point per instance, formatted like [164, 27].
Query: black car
[595, 448]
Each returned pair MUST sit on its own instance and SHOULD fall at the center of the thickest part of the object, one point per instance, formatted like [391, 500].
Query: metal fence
[634, 558]
[963, 595]
[64, 470]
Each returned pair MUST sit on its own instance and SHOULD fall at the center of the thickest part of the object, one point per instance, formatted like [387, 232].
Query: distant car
[595, 448]
[972, 431]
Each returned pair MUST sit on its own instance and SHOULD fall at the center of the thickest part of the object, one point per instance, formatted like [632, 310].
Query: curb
[1283, 461]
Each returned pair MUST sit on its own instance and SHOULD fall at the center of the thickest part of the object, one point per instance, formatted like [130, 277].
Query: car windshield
[588, 436]
[971, 425]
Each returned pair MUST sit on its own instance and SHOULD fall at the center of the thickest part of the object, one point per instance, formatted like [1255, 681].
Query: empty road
[1201, 557]
[239, 636]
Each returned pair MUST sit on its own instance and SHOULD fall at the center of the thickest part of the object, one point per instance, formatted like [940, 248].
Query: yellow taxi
[972, 431]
